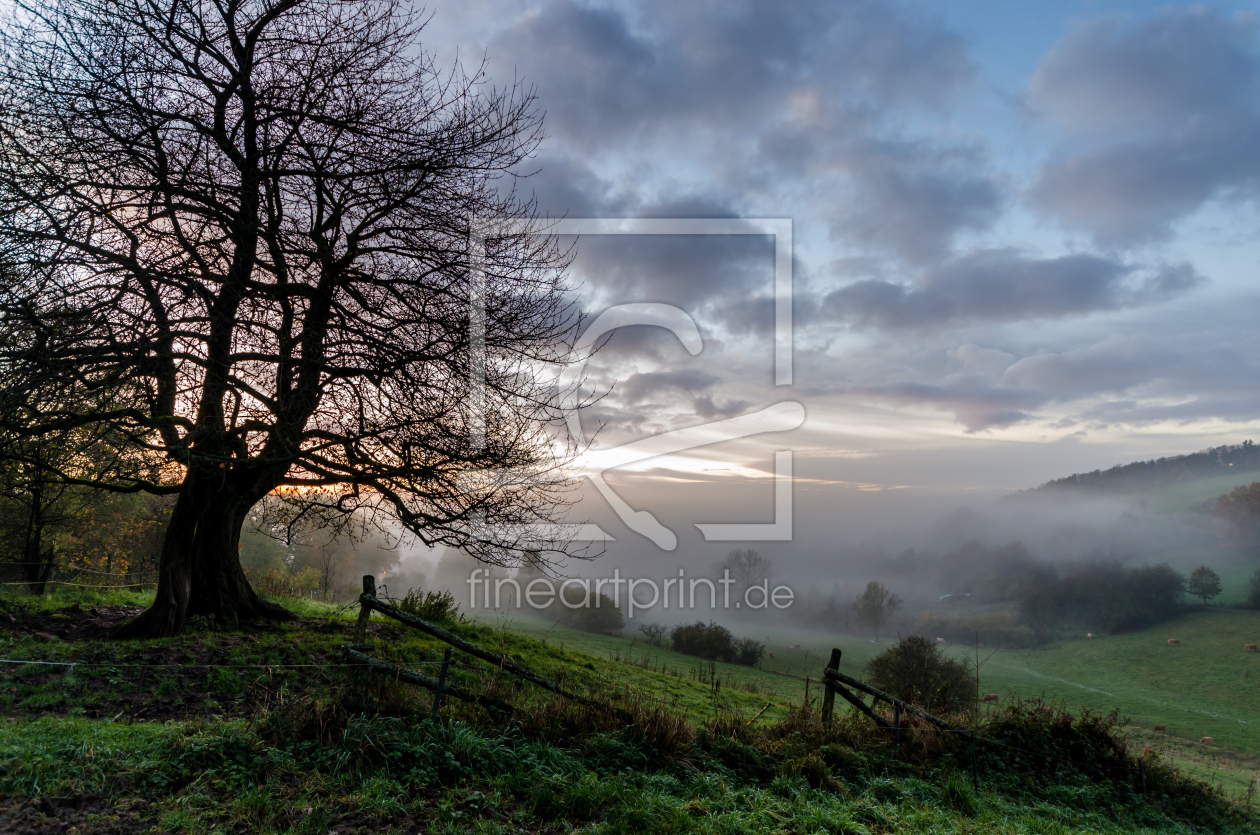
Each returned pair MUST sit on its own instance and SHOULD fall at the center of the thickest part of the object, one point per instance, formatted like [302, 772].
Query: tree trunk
[199, 572]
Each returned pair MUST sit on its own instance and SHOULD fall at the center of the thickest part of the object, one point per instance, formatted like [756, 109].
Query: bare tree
[250, 259]
[875, 606]
[746, 567]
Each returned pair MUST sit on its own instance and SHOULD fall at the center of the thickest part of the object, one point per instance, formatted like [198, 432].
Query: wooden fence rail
[835, 681]
[369, 602]
[412, 677]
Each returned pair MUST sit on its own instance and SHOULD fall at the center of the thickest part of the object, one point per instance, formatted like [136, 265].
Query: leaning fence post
[365, 611]
[437, 692]
[829, 696]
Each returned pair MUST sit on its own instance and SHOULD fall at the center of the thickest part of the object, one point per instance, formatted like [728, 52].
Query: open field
[266, 730]
[1209, 686]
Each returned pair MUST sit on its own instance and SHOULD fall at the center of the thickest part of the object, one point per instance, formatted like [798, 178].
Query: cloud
[754, 101]
[1162, 115]
[975, 405]
[1005, 285]
[1113, 365]
[645, 385]
[611, 76]
[912, 199]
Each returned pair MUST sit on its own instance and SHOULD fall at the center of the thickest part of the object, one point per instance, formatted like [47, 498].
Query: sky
[1023, 241]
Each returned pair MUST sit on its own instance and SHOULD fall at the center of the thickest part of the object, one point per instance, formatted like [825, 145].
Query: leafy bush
[597, 614]
[715, 643]
[704, 640]
[915, 670]
[749, 652]
[433, 606]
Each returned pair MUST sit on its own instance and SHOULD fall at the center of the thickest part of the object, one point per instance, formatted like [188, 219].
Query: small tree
[915, 670]
[875, 606]
[746, 567]
[1204, 583]
[653, 633]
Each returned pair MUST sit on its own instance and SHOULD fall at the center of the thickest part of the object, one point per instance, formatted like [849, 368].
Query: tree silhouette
[746, 567]
[248, 257]
[1204, 583]
[875, 606]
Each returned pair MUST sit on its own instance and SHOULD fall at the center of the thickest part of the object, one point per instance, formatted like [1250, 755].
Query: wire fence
[151, 666]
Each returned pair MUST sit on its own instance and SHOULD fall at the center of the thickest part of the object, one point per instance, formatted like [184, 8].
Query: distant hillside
[1160, 472]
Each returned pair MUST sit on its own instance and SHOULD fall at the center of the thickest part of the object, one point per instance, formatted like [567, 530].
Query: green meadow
[1208, 686]
[265, 730]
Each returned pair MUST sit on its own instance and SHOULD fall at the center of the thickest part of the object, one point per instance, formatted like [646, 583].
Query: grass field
[225, 735]
[1209, 686]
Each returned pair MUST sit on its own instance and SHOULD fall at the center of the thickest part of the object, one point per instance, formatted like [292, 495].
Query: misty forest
[628, 417]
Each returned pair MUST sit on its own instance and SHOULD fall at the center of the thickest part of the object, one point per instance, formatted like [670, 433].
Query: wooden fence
[368, 602]
[835, 682]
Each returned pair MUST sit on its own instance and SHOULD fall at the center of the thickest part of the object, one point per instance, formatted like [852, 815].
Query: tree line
[1159, 472]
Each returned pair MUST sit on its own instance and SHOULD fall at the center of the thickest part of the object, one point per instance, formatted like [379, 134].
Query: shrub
[715, 643]
[595, 614]
[749, 652]
[433, 606]
[604, 616]
[704, 640]
[915, 670]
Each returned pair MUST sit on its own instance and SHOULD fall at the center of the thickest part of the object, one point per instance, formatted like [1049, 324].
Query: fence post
[437, 693]
[365, 611]
[897, 731]
[829, 696]
[975, 778]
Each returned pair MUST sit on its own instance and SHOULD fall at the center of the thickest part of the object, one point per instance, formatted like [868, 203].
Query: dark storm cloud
[1163, 115]
[1005, 285]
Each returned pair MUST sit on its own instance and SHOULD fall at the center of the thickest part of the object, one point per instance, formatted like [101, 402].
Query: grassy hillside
[1209, 686]
[264, 731]
[1191, 495]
